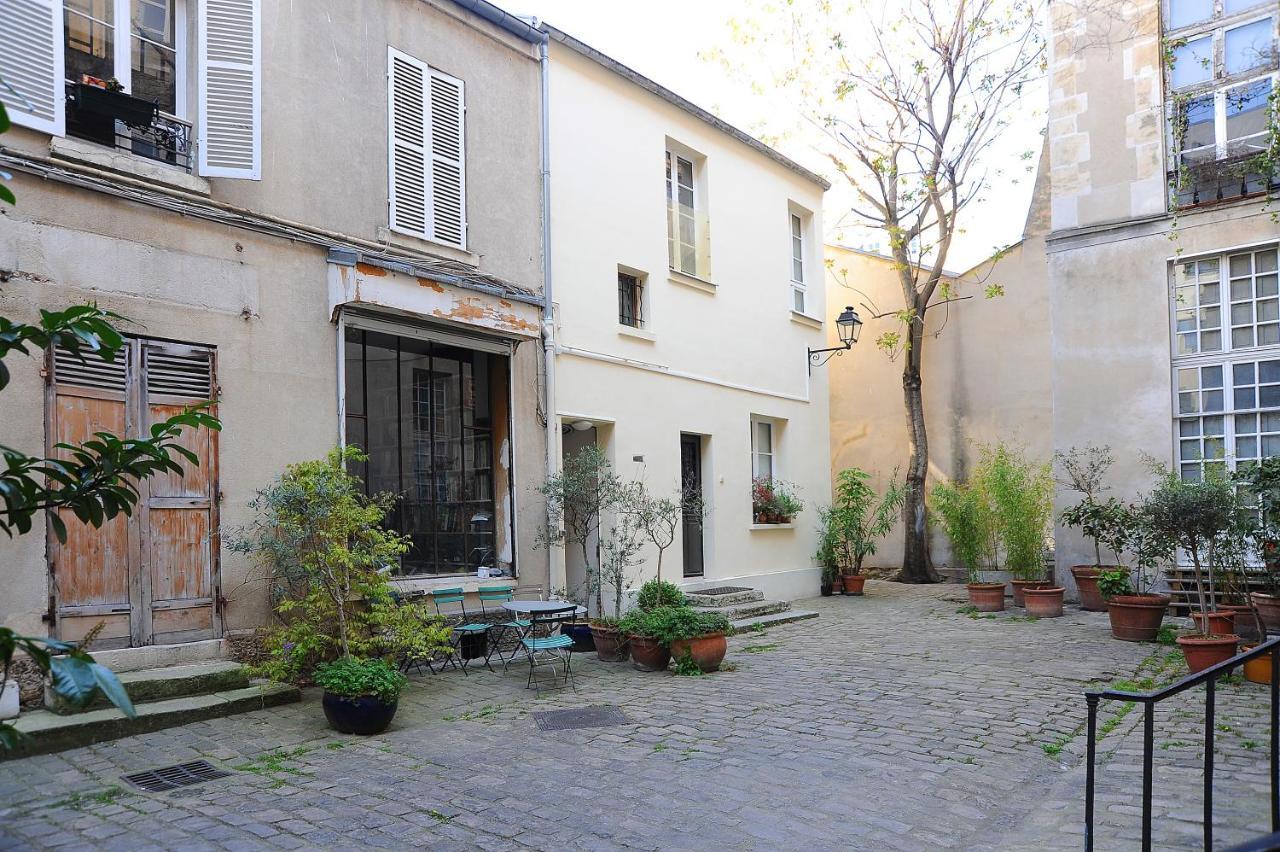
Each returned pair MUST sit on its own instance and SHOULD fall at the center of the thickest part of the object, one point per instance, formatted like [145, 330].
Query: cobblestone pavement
[894, 721]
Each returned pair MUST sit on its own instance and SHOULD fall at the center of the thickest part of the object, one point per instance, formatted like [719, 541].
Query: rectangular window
[797, 264]
[630, 299]
[762, 452]
[682, 222]
[1227, 410]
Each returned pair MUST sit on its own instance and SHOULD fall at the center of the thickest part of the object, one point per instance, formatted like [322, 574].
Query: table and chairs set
[536, 625]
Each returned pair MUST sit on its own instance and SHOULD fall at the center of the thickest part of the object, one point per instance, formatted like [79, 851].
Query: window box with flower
[774, 501]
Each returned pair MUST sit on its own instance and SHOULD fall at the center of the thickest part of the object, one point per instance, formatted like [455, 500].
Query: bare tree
[908, 99]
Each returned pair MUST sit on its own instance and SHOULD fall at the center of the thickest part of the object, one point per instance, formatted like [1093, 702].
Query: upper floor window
[427, 141]
[1223, 62]
[631, 299]
[115, 72]
[762, 466]
[1227, 302]
[686, 211]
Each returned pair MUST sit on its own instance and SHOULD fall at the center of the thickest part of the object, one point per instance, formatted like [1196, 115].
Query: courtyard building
[683, 316]
[326, 220]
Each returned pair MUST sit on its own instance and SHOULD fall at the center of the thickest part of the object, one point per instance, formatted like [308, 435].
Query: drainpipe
[557, 577]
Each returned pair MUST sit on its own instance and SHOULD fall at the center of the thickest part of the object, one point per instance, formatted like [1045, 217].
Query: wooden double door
[150, 578]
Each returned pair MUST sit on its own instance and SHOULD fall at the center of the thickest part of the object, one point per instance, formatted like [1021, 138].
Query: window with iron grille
[630, 299]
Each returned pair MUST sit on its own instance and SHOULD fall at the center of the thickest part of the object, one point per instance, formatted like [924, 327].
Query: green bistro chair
[464, 629]
[545, 645]
[496, 596]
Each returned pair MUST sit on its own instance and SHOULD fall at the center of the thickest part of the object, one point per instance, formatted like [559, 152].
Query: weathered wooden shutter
[31, 64]
[230, 70]
[448, 170]
[93, 580]
[179, 521]
[408, 164]
[426, 151]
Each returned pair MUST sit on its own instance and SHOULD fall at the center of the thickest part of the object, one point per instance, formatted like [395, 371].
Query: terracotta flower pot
[1220, 623]
[1136, 618]
[707, 651]
[1258, 670]
[1204, 651]
[1268, 609]
[1086, 577]
[986, 597]
[1243, 623]
[1020, 586]
[853, 583]
[648, 654]
[1044, 603]
[611, 645]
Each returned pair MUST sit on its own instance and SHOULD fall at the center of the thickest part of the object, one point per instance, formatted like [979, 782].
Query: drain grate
[720, 590]
[173, 777]
[603, 716]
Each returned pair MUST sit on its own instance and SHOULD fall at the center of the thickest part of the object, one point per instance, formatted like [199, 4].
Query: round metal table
[530, 607]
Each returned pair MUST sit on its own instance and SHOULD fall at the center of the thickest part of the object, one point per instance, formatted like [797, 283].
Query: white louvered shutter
[409, 138]
[31, 64]
[448, 169]
[230, 68]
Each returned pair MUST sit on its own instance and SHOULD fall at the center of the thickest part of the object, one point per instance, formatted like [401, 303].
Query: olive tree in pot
[1020, 492]
[968, 520]
[856, 519]
[1101, 521]
[325, 553]
[1194, 515]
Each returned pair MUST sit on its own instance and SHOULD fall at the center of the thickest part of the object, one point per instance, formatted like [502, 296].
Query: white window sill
[395, 239]
[636, 333]
[759, 527]
[112, 159]
[804, 319]
[675, 276]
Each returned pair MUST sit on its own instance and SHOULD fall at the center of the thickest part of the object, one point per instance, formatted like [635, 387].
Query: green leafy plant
[1259, 484]
[969, 522]
[1020, 492]
[354, 678]
[1114, 582]
[657, 593]
[857, 518]
[686, 667]
[1083, 472]
[666, 624]
[774, 501]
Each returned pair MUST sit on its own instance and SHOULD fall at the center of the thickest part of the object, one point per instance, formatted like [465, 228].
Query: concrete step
[48, 732]
[161, 684]
[700, 600]
[749, 610]
[746, 625]
[158, 656]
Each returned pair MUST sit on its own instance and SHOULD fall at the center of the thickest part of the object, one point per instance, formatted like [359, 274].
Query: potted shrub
[645, 628]
[856, 519]
[969, 524]
[1195, 515]
[680, 631]
[360, 696]
[702, 639]
[773, 501]
[828, 564]
[1102, 522]
[1262, 482]
[1020, 493]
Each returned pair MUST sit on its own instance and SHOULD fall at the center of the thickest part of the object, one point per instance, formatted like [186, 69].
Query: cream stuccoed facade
[678, 247]
[284, 262]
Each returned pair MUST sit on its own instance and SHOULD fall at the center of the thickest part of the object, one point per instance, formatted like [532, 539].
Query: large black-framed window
[423, 412]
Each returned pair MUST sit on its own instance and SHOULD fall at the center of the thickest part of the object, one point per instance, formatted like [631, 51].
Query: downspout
[557, 577]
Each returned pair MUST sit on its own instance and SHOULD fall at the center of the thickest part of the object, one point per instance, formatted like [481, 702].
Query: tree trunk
[915, 552]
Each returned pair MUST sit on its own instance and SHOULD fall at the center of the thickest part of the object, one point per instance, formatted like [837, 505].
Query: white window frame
[122, 59]
[771, 453]
[674, 153]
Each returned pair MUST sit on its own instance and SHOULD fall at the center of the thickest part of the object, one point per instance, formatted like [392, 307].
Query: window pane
[153, 20]
[1245, 398]
[1247, 111]
[1246, 424]
[1269, 396]
[1188, 379]
[1211, 341]
[1242, 374]
[1190, 450]
[383, 414]
[1215, 425]
[1267, 285]
[1242, 337]
[1209, 293]
[353, 346]
[1211, 377]
[1188, 428]
[1248, 46]
[1212, 400]
[1242, 313]
[1267, 310]
[1241, 289]
[1271, 422]
[90, 45]
[764, 437]
[1183, 13]
[1266, 260]
[1246, 448]
[154, 74]
[1269, 371]
[1192, 62]
[1268, 334]
[1200, 123]
[797, 299]
[1187, 403]
[1230, 7]
[1210, 317]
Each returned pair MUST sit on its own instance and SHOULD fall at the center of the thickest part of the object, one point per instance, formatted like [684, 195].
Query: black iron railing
[126, 123]
[1209, 678]
[1227, 179]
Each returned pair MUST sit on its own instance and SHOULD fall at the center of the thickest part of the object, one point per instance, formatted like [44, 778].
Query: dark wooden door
[691, 487]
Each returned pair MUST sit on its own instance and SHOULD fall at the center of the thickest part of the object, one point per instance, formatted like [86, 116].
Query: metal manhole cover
[603, 716]
[720, 590]
[173, 777]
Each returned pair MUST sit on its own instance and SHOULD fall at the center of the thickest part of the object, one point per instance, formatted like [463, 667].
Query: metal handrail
[1209, 678]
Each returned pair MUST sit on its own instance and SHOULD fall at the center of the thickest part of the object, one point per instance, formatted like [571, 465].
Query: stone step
[49, 732]
[749, 610]
[158, 656]
[161, 684]
[746, 625]
[700, 600]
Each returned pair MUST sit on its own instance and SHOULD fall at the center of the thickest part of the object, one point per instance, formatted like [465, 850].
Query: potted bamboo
[969, 524]
[856, 519]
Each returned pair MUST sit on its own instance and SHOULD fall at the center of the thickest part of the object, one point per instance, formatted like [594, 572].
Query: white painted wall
[710, 357]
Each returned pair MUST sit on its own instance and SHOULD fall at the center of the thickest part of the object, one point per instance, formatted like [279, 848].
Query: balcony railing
[126, 123]
[1221, 180]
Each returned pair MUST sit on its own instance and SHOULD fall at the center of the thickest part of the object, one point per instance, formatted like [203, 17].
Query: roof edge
[518, 27]
[679, 102]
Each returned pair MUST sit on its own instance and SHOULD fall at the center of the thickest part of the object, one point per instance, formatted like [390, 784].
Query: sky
[666, 40]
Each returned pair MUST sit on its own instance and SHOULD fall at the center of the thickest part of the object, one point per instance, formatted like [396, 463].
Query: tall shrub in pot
[1101, 521]
[1020, 493]
[856, 520]
[1135, 610]
[969, 522]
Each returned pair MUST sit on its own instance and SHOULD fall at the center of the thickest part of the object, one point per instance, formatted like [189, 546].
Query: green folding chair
[464, 629]
[496, 596]
[544, 645]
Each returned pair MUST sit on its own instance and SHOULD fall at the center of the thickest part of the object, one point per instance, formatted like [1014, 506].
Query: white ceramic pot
[9, 700]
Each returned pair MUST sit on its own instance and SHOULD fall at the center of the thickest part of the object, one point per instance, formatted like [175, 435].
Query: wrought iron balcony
[126, 123]
[1227, 179]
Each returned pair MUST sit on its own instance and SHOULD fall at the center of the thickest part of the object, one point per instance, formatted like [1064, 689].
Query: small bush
[658, 593]
[354, 678]
[668, 624]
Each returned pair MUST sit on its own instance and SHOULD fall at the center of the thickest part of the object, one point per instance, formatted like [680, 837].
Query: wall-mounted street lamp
[848, 326]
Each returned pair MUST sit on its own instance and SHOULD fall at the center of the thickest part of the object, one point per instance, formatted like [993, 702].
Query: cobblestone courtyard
[895, 721]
